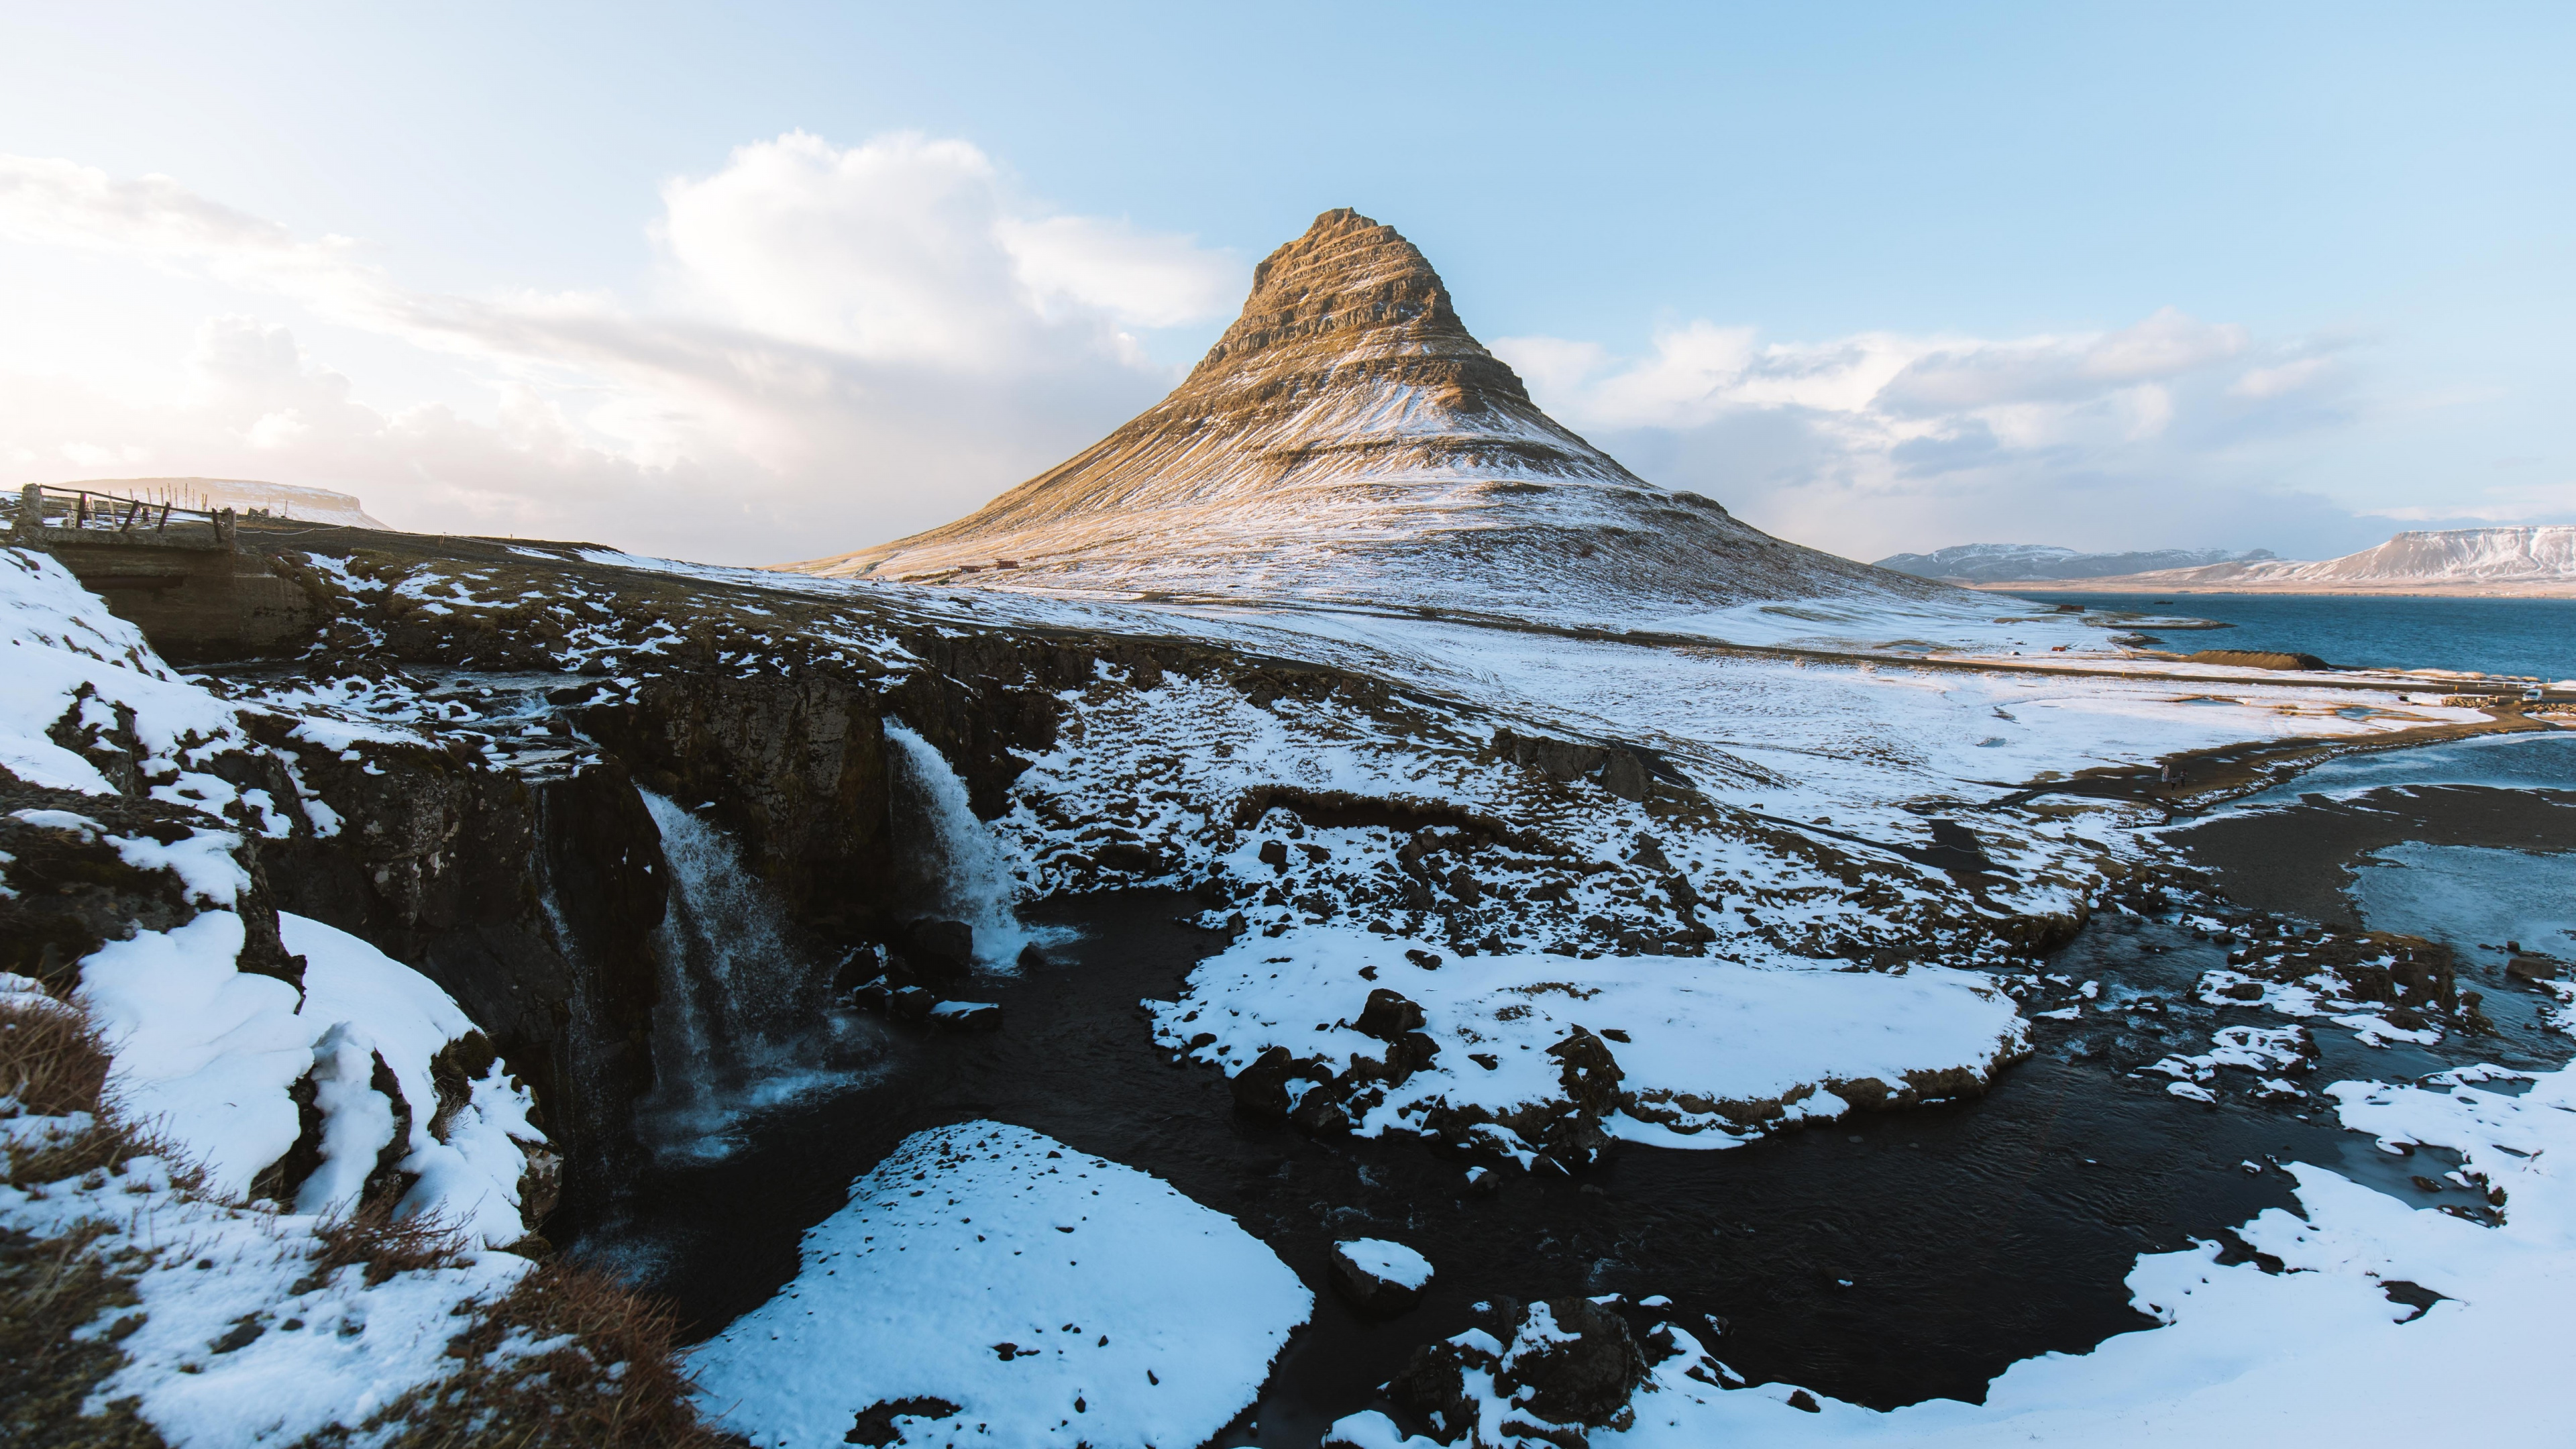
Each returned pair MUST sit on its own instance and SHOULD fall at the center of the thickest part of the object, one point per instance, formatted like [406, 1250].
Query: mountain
[284, 500]
[1998, 563]
[2536, 560]
[1348, 441]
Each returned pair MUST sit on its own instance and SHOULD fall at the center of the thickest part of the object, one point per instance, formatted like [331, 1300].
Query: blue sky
[1879, 277]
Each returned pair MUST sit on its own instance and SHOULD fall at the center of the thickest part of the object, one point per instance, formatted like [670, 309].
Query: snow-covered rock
[1379, 1277]
[996, 1286]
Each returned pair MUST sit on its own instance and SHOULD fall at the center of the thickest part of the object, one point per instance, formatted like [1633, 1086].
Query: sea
[2528, 637]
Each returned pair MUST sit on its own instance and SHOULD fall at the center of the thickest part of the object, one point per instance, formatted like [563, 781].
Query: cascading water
[744, 1020]
[958, 870]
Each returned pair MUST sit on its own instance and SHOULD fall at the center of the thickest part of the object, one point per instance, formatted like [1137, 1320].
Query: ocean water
[2501, 762]
[2493, 636]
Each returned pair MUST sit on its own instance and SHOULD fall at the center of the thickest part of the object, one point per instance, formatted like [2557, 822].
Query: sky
[759, 283]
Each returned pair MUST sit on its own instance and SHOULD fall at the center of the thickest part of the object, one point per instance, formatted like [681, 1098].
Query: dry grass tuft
[569, 1359]
[51, 1060]
[372, 1235]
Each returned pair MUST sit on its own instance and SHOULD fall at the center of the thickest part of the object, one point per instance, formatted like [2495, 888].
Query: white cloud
[2146, 435]
[842, 345]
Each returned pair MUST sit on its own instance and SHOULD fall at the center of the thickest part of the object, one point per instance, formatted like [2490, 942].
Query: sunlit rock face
[1348, 441]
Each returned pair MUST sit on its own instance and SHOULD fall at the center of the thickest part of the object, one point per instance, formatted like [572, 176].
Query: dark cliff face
[532, 902]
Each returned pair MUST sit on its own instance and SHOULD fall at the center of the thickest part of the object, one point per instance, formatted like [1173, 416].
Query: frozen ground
[992, 1285]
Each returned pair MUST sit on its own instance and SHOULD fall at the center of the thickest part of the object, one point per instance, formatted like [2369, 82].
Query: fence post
[224, 527]
[31, 515]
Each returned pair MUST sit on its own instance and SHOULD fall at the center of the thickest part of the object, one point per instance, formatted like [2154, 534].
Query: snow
[202, 1053]
[1052, 1296]
[1701, 1035]
[329, 1350]
[66, 652]
[1388, 1262]
[375, 1004]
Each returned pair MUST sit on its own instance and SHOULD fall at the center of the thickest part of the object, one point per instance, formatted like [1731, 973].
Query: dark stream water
[1970, 1235]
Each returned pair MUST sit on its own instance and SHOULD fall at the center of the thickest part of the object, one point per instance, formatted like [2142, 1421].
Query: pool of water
[2494, 636]
[2502, 762]
[1885, 1260]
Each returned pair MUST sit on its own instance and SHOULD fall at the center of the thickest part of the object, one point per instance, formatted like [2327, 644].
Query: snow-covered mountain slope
[2002, 563]
[1348, 442]
[284, 500]
[2536, 560]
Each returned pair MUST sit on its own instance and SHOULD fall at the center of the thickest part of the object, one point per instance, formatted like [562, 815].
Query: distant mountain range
[2530, 561]
[2008, 563]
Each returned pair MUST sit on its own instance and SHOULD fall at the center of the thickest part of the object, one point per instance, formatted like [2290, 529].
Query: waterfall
[744, 1021]
[959, 872]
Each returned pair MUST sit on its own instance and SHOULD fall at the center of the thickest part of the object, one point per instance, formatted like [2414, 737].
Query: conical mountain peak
[1348, 440]
[1352, 290]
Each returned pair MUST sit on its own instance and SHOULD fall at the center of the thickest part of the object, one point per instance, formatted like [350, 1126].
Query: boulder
[910, 1003]
[1571, 1361]
[1380, 1278]
[1388, 1015]
[939, 950]
[1261, 1089]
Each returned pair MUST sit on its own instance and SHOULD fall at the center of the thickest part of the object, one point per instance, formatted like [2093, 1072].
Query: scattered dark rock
[1388, 1015]
[1422, 958]
[911, 1003]
[1801, 1399]
[1031, 958]
[875, 1426]
[1274, 854]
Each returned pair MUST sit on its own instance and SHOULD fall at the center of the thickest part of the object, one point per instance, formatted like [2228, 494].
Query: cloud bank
[839, 345]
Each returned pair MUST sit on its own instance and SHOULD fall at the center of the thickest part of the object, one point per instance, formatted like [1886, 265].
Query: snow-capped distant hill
[284, 500]
[2537, 561]
[1347, 441]
[1998, 563]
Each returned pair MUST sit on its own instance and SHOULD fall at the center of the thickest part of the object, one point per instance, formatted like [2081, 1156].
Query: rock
[861, 964]
[965, 1016]
[2532, 968]
[1130, 857]
[1624, 775]
[1274, 854]
[939, 949]
[1388, 1015]
[1261, 1089]
[875, 1426]
[871, 995]
[1379, 1277]
[1576, 1360]
[1434, 1385]
[1588, 1072]
[910, 1003]
[1031, 958]
[1422, 958]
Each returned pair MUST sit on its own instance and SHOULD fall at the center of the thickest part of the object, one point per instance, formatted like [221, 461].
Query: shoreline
[2125, 584]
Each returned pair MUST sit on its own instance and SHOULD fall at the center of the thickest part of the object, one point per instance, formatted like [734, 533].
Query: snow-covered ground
[994, 1286]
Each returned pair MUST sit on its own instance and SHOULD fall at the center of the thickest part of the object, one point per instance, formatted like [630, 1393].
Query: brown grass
[617, 1383]
[51, 1059]
[53, 1064]
[372, 1235]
